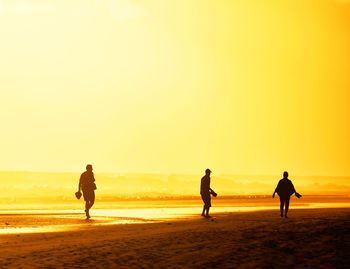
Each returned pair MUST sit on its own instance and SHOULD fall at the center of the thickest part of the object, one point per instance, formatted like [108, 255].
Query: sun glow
[242, 87]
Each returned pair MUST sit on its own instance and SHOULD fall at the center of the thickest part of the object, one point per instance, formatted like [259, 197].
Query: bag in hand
[78, 194]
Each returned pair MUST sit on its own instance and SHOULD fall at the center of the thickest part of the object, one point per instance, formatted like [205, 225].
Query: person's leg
[281, 205]
[86, 198]
[287, 206]
[207, 214]
[87, 207]
[91, 202]
[206, 200]
[89, 197]
[92, 199]
[204, 206]
[208, 205]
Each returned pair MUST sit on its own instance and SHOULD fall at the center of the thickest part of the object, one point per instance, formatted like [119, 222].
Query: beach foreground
[316, 238]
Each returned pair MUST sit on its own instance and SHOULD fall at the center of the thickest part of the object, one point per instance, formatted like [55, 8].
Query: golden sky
[242, 87]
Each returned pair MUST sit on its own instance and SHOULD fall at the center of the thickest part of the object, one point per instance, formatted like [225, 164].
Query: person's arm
[212, 192]
[273, 195]
[210, 189]
[295, 192]
[292, 188]
[93, 182]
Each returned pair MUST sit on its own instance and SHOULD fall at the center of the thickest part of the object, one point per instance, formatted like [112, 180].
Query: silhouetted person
[88, 186]
[205, 193]
[285, 190]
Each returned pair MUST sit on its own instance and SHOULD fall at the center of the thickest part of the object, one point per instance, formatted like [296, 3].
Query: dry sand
[314, 238]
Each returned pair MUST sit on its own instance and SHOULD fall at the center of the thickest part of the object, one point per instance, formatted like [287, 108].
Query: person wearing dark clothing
[285, 189]
[206, 191]
[88, 186]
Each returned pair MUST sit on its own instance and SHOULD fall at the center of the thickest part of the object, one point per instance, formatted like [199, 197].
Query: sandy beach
[314, 238]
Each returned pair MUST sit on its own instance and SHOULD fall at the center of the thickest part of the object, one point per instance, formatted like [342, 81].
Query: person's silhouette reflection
[88, 186]
[284, 190]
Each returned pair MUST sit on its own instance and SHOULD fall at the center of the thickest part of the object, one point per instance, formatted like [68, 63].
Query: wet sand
[314, 238]
[70, 216]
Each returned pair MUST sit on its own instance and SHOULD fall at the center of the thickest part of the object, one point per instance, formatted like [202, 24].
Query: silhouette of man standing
[285, 190]
[88, 186]
[205, 193]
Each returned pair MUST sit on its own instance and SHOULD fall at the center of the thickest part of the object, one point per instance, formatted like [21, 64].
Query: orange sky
[242, 87]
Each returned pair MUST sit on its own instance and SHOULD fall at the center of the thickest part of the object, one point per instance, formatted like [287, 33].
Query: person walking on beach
[88, 186]
[206, 191]
[285, 190]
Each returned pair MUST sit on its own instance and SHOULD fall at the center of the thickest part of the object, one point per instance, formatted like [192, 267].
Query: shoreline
[37, 221]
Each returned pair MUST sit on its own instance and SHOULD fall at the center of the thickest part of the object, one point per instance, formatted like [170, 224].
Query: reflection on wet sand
[48, 220]
[55, 222]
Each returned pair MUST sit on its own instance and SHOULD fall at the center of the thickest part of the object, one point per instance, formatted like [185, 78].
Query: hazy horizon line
[167, 173]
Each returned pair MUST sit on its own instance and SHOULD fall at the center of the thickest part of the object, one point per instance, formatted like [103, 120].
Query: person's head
[89, 168]
[285, 174]
[207, 171]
